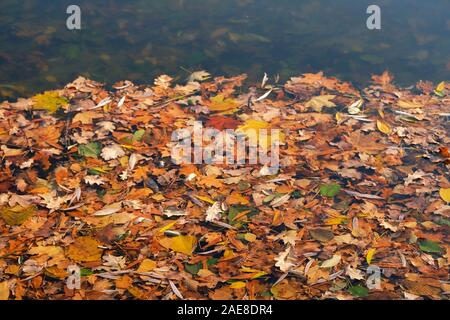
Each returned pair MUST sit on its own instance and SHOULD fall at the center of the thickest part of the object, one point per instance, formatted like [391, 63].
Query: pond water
[138, 39]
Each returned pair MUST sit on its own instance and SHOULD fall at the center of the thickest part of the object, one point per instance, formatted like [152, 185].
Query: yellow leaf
[440, 87]
[84, 249]
[183, 244]
[258, 275]
[15, 216]
[383, 127]
[4, 290]
[206, 199]
[317, 103]
[250, 237]
[445, 194]
[220, 103]
[250, 270]
[408, 104]
[251, 128]
[336, 221]
[370, 254]
[253, 125]
[228, 254]
[238, 285]
[168, 226]
[50, 101]
[51, 251]
[146, 266]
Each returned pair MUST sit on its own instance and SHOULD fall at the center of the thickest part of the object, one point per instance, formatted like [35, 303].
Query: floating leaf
[370, 254]
[183, 244]
[238, 285]
[4, 290]
[90, 150]
[49, 100]
[322, 234]
[15, 216]
[430, 247]
[193, 268]
[220, 103]
[331, 262]
[147, 265]
[445, 194]
[359, 291]
[439, 91]
[383, 127]
[330, 190]
[138, 135]
[84, 249]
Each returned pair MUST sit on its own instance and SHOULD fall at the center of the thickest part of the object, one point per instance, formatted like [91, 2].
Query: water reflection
[138, 39]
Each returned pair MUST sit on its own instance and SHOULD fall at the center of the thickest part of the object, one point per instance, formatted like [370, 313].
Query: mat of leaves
[86, 180]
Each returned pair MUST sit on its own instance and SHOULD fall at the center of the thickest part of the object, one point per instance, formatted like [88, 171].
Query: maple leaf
[317, 103]
[222, 123]
[163, 81]
[114, 262]
[199, 76]
[210, 182]
[86, 117]
[384, 79]
[52, 201]
[284, 260]
[94, 180]
[214, 213]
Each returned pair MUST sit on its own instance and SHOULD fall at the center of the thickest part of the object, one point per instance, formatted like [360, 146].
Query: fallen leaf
[84, 249]
[445, 194]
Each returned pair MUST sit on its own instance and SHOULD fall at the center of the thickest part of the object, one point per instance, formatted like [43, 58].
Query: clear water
[138, 39]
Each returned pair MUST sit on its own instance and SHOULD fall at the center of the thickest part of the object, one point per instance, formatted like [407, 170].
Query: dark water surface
[138, 39]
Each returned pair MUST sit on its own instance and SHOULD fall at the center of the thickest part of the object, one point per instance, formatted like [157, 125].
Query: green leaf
[137, 136]
[212, 261]
[90, 150]
[358, 291]
[296, 194]
[430, 247]
[443, 222]
[86, 272]
[330, 190]
[193, 268]
[235, 210]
